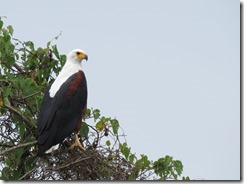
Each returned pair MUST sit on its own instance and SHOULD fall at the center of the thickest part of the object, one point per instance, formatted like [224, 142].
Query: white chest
[67, 71]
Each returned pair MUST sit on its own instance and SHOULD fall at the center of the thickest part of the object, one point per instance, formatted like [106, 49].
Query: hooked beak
[86, 57]
[82, 56]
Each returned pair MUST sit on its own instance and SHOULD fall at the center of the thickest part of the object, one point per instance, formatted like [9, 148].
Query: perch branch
[26, 174]
[18, 146]
[69, 164]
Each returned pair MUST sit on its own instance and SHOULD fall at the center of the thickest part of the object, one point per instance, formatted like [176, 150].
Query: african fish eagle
[63, 106]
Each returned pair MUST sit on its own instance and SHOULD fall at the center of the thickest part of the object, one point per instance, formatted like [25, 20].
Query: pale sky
[169, 71]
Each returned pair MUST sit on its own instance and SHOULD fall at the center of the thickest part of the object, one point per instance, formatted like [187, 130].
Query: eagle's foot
[77, 144]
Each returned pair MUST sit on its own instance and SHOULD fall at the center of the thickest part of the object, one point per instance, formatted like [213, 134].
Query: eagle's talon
[77, 144]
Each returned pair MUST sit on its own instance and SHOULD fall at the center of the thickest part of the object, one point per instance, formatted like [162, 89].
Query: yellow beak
[82, 56]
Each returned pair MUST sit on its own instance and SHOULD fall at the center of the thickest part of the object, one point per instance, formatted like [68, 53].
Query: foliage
[25, 72]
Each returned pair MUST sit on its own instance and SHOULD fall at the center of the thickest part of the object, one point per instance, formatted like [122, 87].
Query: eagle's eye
[78, 53]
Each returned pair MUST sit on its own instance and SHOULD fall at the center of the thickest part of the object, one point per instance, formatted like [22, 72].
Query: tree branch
[6, 145]
[24, 98]
[28, 122]
[95, 143]
[8, 106]
[26, 174]
[18, 146]
[69, 164]
[19, 68]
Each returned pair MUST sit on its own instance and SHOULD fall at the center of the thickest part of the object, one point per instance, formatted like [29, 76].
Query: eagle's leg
[77, 143]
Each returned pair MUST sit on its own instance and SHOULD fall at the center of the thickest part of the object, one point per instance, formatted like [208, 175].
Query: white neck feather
[69, 69]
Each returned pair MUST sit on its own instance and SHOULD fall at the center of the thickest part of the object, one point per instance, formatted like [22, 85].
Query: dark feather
[60, 115]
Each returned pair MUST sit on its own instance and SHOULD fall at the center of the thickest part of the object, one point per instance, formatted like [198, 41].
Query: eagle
[64, 105]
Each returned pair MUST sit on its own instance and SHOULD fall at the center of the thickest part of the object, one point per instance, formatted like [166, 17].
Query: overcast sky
[169, 71]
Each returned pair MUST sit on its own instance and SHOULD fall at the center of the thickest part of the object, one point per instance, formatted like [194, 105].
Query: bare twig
[26, 174]
[26, 97]
[97, 138]
[69, 164]
[18, 146]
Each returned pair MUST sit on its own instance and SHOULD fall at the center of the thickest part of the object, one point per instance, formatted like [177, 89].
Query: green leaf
[16, 175]
[8, 161]
[132, 158]
[145, 161]
[88, 113]
[62, 59]
[132, 176]
[10, 29]
[185, 178]
[18, 152]
[6, 91]
[30, 44]
[173, 174]
[5, 173]
[138, 165]
[115, 125]
[30, 162]
[56, 37]
[16, 56]
[96, 114]
[100, 125]
[159, 166]
[22, 130]
[55, 51]
[108, 143]
[124, 150]
[1, 24]
[168, 159]
[7, 38]
[48, 44]
[84, 130]
[178, 167]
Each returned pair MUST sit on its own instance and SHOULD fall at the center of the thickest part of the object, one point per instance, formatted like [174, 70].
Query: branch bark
[8, 106]
[69, 164]
[6, 145]
[26, 174]
[28, 122]
[31, 95]
[18, 146]
[19, 68]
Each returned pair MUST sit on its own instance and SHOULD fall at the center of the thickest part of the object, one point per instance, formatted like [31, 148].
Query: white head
[77, 56]
[72, 65]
